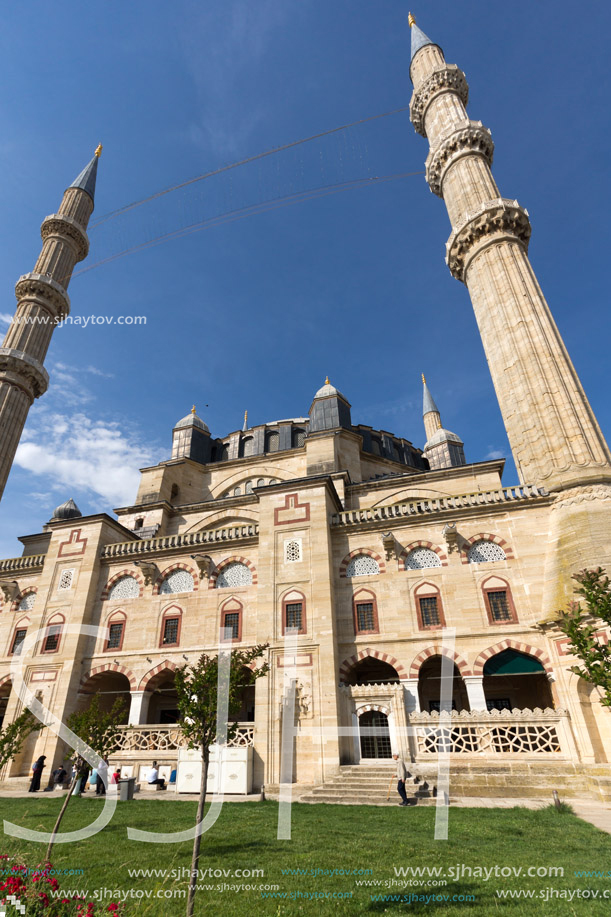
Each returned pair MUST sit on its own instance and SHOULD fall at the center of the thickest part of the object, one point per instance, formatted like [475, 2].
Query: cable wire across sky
[342, 158]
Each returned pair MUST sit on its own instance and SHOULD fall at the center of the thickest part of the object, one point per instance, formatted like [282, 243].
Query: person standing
[37, 769]
[100, 786]
[401, 775]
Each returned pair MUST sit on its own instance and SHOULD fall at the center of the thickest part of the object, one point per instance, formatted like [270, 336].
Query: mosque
[366, 548]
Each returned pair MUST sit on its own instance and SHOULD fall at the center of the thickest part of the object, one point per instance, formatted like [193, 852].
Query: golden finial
[411, 19]
[193, 410]
[245, 416]
[327, 380]
[98, 150]
[423, 379]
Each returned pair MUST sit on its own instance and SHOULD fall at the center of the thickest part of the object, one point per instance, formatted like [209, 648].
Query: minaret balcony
[43, 289]
[466, 138]
[66, 229]
[448, 78]
[494, 221]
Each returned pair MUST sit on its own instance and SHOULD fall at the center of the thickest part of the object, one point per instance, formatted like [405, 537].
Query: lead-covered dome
[67, 510]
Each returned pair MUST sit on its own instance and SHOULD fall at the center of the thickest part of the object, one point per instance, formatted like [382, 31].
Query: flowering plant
[38, 889]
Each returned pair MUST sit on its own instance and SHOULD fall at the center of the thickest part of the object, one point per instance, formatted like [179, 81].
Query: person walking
[100, 788]
[401, 775]
[37, 769]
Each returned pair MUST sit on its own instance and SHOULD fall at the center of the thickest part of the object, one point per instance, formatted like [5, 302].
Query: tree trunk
[61, 815]
[197, 841]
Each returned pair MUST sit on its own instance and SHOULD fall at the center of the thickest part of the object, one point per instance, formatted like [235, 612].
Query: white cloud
[86, 455]
[5, 318]
[495, 454]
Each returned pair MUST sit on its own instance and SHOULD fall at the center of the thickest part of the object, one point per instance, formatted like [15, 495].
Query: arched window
[231, 617]
[177, 581]
[376, 445]
[362, 565]
[116, 632]
[429, 607]
[298, 438]
[170, 627]
[485, 551]
[53, 635]
[223, 452]
[247, 446]
[272, 442]
[19, 636]
[234, 574]
[294, 612]
[248, 488]
[261, 482]
[421, 558]
[498, 600]
[127, 587]
[365, 611]
[26, 603]
[237, 491]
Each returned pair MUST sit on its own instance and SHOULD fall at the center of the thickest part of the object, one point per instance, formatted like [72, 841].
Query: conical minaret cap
[86, 180]
[428, 402]
[419, 39]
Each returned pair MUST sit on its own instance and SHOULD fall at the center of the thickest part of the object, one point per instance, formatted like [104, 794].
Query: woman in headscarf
[37, 769]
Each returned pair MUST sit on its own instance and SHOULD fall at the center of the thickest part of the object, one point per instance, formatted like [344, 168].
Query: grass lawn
[325, 838]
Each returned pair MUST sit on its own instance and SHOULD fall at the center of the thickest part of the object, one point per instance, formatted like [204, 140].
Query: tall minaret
[554, 436]
[42, 302]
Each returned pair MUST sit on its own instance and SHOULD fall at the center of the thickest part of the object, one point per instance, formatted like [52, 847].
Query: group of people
[85, 777]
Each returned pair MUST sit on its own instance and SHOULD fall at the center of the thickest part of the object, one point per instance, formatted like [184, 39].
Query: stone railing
[499, 732]
[169, 738]
[520, 493]
[19, 564]
[176, 542]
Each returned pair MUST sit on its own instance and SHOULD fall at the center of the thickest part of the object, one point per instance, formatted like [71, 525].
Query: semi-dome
[192, 420]
[67, 510]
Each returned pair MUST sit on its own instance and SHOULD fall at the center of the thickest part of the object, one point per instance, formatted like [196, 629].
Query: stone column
[475, 692]
[412, 698]
[139, 705]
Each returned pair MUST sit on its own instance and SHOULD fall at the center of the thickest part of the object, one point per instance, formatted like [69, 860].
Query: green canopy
[511, 662]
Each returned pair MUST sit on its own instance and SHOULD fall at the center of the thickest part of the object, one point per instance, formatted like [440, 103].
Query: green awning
[510, 662]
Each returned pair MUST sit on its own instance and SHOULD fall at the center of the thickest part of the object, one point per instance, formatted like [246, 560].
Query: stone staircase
[367, 785]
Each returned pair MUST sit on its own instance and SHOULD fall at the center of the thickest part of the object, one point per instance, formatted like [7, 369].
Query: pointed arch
[356, 553]
[484, 656]
[348, 664]
[110, 667]
[414, 545]
[234, 559]
[171, 569]
[25, 592]
[422, 657]
[166, 664]
[130, 571]
[485, 536]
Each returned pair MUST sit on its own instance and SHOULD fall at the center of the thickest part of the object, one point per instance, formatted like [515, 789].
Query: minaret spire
[554, 436]
[443, 448]
[42, 302]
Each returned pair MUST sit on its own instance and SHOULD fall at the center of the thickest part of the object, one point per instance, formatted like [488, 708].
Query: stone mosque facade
[364, 544]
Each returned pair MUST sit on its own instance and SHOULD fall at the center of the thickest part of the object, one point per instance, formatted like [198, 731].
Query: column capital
[23, 371]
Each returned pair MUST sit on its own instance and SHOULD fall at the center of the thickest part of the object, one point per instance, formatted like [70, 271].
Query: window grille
[362, 565]
[125, 588]
[294, 614]
[52, 639]
[292, 552]
[421, 558]
[499, 605]
[27, 602]
[170, 631]
[177, 581]
[485, 551]
[65, 580]
[232, 620]
[365, 619]
[429, 611]
[115, 634]
[234, 574]
[18, 641]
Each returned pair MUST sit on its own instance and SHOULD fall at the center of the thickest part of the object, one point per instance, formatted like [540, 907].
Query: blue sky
[252, 313]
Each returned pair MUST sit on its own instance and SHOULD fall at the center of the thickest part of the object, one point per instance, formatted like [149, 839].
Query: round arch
[526, 648]
[422, 657]
[348, 664]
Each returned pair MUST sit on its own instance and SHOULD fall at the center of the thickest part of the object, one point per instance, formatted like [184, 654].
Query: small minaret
[554, 436]
[42, 303]
[443, 449]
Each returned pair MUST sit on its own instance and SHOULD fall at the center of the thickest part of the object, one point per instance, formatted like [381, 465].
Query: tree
[99, 730]
[198, 703]
[13, 736]
[581, 624]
